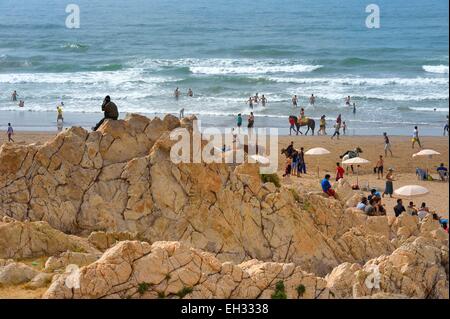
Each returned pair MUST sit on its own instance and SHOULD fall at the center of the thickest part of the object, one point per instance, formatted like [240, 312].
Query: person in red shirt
[339, 171]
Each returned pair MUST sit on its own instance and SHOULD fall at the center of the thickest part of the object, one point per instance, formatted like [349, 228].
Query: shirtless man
[190, 93]
[14, 96]
[294, 101]
[312, 99]
[250, 102]
[379, 168]
[256, 98]
[263, 100]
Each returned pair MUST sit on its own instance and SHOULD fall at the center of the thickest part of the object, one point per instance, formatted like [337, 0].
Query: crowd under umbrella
[317, 151]
[411, 191]
[426, 152]
[356, 161]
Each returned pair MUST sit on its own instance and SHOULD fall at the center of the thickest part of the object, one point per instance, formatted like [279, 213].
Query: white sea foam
[227, 66]
[110, 77]
[443, 69]
[363, 81]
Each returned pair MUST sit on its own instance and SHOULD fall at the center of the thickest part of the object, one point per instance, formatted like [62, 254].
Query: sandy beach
[403, 164]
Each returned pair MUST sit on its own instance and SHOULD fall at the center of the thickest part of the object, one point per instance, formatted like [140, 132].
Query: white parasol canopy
[426, 152]
[317, 151]
[260, 159]
[356, 160]
[411, 190]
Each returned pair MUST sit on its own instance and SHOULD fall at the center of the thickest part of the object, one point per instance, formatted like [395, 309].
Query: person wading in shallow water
[110, 112]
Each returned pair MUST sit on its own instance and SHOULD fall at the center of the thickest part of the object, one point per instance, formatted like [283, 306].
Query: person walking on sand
[239, 122]
[14, 96]
[389, 188]
[387, 145]
[263, 100]
[415, 138]
[312, 99]
[294, 101]
[337, 127]
[10, 133]
[110, 112]
[379, 167]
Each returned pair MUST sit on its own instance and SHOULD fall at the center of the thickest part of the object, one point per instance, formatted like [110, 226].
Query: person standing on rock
[110, 112]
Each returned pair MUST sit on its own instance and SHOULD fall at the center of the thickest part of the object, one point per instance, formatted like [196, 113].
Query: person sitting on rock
[110, 112]
[326, 186]
[362, 204]
[399, 208]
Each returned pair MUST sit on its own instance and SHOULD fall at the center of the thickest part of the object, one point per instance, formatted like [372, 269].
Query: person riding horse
[351, 154]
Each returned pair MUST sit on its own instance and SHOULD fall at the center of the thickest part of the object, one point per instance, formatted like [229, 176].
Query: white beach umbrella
[411, 191]
[426, 152]
[358, 161]
[260, 159]
[316, 152]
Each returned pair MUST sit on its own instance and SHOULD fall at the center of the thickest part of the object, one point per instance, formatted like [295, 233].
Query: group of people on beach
[295, 161]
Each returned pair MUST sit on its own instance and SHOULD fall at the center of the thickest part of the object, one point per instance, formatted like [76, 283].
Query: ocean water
[139, 51]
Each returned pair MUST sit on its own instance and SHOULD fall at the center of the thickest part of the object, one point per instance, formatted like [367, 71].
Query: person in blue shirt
[374, 193]
[443, 172]
[326, 186]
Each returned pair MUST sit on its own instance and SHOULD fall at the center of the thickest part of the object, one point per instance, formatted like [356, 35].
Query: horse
[310, 123]
[351, 154]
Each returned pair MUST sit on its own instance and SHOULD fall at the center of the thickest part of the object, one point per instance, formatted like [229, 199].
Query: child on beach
[288, 169]
[344, 127]
[10, 133]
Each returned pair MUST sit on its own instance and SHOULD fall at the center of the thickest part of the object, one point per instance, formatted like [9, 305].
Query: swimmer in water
[250, 102]
[347, 100]
[177, 93]
[294, 101]
[263, 100]
[312, 99]
[190, 93]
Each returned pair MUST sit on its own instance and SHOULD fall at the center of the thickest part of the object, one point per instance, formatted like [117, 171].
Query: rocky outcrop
[34, 239]
[134, 269]
[164, 229]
